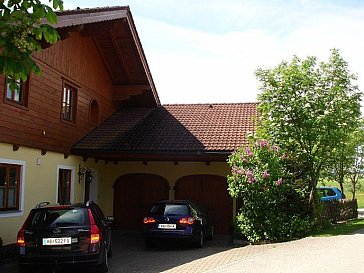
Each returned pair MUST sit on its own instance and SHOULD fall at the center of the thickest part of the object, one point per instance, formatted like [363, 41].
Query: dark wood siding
[77, 61]
[134, 195]
[211, 192]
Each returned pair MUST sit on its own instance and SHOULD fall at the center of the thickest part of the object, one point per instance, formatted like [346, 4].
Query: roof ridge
[206, 104]
[91, 10]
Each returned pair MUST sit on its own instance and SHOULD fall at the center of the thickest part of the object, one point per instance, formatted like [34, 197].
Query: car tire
[109, 253]
[148, 243]
[104, 266]
[25, 269]
[199, 242]
[211, 236]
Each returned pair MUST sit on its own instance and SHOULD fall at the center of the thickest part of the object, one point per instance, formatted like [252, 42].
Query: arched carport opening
[134, 195]
[211, 192]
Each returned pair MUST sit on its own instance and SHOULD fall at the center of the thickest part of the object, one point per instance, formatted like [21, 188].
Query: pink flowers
[240, 172]
[263, 143]
[275, 148]
[279, 182]
[249, 152]
[265, 174]
[250, 176]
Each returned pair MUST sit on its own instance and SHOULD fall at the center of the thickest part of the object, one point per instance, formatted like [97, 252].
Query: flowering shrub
[271, 209]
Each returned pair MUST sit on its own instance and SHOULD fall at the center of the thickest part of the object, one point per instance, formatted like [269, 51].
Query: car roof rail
[42, 204]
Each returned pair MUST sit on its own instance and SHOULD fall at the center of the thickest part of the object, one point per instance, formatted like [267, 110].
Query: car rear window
[169, 209]
[58, 217]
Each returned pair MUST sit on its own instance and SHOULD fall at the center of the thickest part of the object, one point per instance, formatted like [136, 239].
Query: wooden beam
[15, 147]
[122, 92]
[123, 59]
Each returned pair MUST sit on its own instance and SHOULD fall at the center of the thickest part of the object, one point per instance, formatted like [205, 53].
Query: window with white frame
[65, 185]
[11, 187]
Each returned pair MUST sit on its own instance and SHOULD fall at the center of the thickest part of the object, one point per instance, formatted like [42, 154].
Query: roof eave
[79, 17]
[175, 156]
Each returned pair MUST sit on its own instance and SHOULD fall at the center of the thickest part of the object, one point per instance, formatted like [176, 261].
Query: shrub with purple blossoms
[271, 208]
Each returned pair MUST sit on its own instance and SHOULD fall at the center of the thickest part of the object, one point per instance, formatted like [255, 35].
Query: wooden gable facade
[100, 60]
[97, 68]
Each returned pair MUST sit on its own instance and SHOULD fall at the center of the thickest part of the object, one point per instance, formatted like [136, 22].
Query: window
[69, 100]
[9, 186]
[18, 96]
[64, 186]
[94, 112]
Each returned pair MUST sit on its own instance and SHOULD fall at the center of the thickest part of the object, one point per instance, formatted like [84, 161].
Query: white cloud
[207, 51]
[194, 66]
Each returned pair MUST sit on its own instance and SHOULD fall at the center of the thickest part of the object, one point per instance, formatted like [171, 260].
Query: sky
[207, 51]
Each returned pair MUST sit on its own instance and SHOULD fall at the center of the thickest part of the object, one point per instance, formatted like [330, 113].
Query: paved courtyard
[312, 254]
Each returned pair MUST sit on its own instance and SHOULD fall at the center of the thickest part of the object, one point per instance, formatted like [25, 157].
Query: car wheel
[211, 236]
[199, 241]
[109, 253]
[25, 269]
[104, 266]
[148, 243]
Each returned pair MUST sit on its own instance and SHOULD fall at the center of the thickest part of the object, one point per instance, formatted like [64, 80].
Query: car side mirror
[110, 219]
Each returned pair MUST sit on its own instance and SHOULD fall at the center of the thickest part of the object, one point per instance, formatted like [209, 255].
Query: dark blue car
[330, 193]
[178, 220]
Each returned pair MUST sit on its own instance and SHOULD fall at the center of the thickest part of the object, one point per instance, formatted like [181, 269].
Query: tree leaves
[309, 109]
[21, 34]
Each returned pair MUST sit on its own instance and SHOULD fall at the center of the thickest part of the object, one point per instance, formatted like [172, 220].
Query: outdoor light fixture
[84, 172]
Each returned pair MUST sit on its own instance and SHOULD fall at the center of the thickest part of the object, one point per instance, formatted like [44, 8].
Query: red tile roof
[187, 128]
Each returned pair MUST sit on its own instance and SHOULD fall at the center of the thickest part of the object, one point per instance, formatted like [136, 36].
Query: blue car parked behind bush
[330, 193]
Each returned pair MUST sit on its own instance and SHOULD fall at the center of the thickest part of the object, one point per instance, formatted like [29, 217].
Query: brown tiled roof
[90, 15]
[187, 128]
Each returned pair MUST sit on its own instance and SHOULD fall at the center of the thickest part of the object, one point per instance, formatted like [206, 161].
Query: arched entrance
[211, 192]
[134, 195]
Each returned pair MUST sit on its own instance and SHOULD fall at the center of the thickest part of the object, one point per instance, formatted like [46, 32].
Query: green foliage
[24, 25]
[309, 110]
[272, 209]
[344, 228]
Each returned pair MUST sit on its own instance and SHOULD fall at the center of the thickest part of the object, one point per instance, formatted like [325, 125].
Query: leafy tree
[356, 170]
[357, 173]
[347, 160]
[24, 25]
[309, 109]
[272, 209]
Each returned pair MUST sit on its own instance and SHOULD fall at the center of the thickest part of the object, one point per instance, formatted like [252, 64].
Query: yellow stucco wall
[40, 183]
[40, 180]
[169, 170]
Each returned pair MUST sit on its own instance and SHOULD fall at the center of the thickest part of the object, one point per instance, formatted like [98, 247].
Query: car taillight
[148, 220]
[95, 235]
[21, 238]
[187, 221]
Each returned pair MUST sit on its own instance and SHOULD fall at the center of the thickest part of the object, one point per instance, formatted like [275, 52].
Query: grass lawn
[359, 194]
[345, 228]
[359, 197]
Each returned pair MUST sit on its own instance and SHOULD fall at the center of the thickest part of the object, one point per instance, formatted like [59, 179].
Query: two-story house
[92, 127]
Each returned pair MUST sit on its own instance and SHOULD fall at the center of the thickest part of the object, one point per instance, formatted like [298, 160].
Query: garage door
[210, 191]
[134, 195]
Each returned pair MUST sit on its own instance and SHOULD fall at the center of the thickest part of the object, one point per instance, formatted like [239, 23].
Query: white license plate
[167, 226]
[57, 241]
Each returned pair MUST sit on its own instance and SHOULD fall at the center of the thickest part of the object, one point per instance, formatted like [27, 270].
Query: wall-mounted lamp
[84, 172]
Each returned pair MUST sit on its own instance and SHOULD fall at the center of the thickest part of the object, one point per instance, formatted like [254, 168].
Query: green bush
[272, 209]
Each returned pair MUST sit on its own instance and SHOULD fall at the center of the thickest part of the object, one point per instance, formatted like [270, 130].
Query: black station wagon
[178, 220]
[65, 235]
